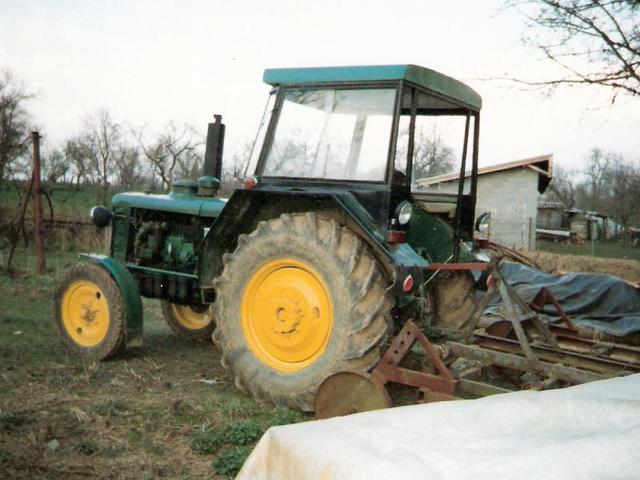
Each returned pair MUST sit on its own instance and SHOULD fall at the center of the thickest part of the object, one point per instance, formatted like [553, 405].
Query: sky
[150, 62]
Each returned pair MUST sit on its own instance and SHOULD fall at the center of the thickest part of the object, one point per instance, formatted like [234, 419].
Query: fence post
[41, 262]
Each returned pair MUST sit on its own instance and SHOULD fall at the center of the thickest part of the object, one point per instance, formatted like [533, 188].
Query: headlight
[101, 216]
[404, 212]
[483, 222]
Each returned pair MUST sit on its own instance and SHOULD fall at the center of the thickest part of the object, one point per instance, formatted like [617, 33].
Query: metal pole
[41, 263]
[19, 224]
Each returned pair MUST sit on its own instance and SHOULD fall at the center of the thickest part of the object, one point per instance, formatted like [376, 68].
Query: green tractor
[310, 268]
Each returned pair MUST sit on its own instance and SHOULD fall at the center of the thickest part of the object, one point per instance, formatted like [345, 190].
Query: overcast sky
[149, 62]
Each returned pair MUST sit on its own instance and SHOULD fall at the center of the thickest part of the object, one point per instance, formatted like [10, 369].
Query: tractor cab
[401, 139]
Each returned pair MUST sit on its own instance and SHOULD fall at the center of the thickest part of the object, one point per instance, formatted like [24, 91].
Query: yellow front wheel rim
[85, 313]
[189, 318]
[286, 315]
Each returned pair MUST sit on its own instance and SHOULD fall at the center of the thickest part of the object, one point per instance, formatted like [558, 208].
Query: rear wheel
[89, 312]
[453, 300]
[190, 321]
[300, 299]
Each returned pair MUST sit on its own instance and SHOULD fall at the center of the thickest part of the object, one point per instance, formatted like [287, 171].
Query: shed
[510, 191]
[551, 215]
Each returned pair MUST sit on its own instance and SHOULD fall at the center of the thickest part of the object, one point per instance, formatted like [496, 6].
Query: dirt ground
[166, 410]
[555, 263]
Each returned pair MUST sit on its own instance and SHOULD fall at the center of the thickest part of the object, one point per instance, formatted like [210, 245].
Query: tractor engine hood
[183, 198]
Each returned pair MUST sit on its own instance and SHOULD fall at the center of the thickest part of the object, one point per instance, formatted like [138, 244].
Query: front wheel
[300, 299]
[89, 312]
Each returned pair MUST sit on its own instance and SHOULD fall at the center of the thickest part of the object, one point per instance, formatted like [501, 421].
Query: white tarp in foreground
[585, 432]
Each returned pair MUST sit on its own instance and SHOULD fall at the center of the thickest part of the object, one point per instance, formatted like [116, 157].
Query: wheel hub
[85, 313]
[287, 314]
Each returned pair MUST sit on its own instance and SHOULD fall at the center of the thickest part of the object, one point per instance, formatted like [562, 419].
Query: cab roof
[423, 77]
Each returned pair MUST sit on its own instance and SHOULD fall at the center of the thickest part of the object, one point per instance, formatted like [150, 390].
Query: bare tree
[595, 42]
[14, 121]
[623, 191]
[127, 167]
[562, 187]
[431, 156]
[233, 173]
[596, 173]
[173, 151]
[102, 141]
[76, 153]
[55, 166]
[189, 164]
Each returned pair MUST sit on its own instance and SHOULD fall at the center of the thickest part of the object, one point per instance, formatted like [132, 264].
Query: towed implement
[304, 275]
[484, 357]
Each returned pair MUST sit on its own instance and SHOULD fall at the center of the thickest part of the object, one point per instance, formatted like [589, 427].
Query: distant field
[68, 202]
[600, 249]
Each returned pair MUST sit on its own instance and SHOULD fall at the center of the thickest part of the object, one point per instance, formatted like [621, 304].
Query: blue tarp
[601, 302]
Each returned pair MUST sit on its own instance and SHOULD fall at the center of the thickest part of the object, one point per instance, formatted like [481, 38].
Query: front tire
[300, 299]
[89, 312]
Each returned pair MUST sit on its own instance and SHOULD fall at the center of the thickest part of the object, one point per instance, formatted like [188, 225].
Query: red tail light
[407, 284]
[396, 236]
[249, 182]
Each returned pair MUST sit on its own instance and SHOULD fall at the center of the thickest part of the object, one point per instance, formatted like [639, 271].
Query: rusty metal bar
[539, 324]
[478, 266]
[41, 262]
[19, 224]
[544, 297]
[414, 378]
[622, 353]
[473, 389]
[510, 360]
[576, 359]
[389, 370]
[468, 329]
[517, 327]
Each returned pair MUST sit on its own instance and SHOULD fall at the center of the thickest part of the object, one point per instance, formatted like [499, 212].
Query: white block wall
[512, 198]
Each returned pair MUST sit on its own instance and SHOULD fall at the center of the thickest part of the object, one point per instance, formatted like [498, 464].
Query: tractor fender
[246, 208]
[129, 290]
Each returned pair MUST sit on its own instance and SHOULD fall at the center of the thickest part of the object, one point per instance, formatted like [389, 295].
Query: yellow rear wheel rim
[190, 318]
[85, 313]
[286, 315]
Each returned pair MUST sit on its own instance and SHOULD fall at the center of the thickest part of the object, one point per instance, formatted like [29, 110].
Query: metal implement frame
[389, 369]
[549, 352]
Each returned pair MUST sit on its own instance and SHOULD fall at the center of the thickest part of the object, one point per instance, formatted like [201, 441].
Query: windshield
[436, 146]
[337, 134]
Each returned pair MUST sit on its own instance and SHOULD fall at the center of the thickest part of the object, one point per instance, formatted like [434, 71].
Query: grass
[67, 201]
[147, 414]
[600, 249]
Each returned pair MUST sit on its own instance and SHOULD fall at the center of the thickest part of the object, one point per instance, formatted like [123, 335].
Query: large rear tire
[300, 299]
[453, 300]
[89, 313]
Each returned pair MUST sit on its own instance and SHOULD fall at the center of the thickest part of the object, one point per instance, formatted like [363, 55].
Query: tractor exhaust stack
[213, 153]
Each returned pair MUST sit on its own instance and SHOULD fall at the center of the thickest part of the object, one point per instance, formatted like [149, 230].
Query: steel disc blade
[344, 393]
